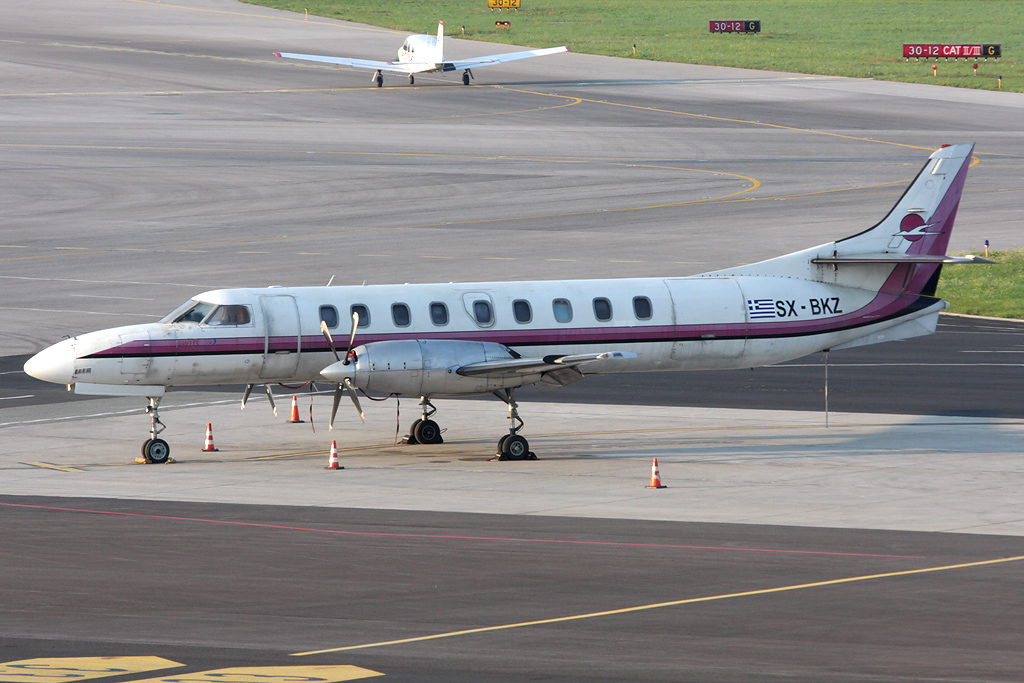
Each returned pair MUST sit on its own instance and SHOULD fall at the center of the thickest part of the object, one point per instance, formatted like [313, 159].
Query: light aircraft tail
[439, 58]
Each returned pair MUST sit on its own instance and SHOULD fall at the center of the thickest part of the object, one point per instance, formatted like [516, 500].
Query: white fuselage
[694, 323]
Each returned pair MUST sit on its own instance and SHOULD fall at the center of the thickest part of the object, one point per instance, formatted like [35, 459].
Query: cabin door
[282, 343]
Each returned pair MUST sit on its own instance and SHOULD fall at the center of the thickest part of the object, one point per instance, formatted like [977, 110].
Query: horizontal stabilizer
[902, 258]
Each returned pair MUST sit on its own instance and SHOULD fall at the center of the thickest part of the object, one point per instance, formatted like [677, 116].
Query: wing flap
[533, 366]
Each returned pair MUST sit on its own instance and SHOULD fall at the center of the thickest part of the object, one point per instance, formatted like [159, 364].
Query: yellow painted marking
[69, 669]
[51, 466]
[672, 603]
[70, 248]
[13, 246]
[272, 674]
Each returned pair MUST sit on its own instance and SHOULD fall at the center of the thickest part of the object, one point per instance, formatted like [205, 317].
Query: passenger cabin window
[364, 314]
[229, 315]
[195, 314]
[522, 311]
[400, 315]
[642, 308]
[602, 309]
[438, 313]
[482, 312]
[562, 309]
[329, 314]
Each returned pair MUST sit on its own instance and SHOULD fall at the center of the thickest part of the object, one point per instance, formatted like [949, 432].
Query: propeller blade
[330, 340]
[270, 395]
[334, 408]
[352, 337]
[355, 399]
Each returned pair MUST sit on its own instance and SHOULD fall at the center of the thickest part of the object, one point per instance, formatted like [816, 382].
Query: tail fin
[440, 43]
[915, 233]
[922, 220]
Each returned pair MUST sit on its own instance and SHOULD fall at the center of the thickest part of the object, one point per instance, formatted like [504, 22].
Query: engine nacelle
[425, 367]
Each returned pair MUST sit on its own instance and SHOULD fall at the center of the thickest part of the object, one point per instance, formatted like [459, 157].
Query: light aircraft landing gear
[424, 430]
[155, 450]
[512, 446]
[412, 80]
[465, 77]
[378, 78]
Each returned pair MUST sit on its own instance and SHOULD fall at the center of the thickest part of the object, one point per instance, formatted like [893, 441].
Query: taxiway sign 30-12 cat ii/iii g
[431, 340]
[424, 54]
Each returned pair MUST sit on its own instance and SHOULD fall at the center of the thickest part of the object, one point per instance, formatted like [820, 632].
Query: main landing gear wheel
[427, 432]
[156, 451]
[378, 78]
[412, 80]
[514, 447]
[465, 78]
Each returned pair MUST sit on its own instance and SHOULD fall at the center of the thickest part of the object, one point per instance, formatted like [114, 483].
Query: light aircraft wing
[532, 366]
[394, 67]
[477, 62]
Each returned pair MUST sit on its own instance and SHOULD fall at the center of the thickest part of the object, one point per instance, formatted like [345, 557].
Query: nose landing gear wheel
[156, 451]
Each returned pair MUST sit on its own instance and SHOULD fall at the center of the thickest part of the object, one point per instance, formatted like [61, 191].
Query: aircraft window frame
[180, 317]
[218, 316]
[606, 301]
[483, 304]
[333, 311]
[363, 321]
[441, 306]
[397, 306]
[561, 308]
[636, 310]
[519, 304]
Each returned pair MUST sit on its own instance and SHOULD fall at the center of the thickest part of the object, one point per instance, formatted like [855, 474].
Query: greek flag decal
[760, 309]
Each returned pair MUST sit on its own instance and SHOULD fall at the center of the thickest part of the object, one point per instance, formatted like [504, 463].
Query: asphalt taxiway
[154, 150]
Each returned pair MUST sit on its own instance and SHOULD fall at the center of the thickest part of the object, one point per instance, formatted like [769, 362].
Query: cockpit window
[193, 314]
[229, 315]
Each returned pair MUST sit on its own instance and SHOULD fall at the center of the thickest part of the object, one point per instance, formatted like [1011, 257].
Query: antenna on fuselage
[330, 281]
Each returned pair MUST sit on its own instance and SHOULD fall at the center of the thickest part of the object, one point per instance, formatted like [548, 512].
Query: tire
[501, 443]
[157, 451]
[412, 81]
[380, 81]
[465, 79]
[427, 431]
[516, 448]
[145, 447]
[411, 440]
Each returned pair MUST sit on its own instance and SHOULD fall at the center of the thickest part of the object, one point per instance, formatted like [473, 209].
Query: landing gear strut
[512, 446]
[424, 430]
[155, 450]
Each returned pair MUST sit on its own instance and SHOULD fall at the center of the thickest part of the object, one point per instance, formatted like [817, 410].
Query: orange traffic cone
[655, 477]
[295, 410]
[332, 462]
[209, 438]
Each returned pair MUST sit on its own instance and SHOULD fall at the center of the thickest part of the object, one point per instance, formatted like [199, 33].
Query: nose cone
[55, 364]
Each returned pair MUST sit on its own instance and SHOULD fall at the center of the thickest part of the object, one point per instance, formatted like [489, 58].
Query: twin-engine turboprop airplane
[424, 54]
[433, 340]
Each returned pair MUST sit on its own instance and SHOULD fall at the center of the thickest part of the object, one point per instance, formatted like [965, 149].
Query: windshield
[192, 312]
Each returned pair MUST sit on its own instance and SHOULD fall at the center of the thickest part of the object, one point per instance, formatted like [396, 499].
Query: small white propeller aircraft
[430, 340]
[424, 54]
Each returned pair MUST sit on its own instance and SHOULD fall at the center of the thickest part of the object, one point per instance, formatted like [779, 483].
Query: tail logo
[913, 228]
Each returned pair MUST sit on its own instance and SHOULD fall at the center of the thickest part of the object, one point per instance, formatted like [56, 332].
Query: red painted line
[461, 538]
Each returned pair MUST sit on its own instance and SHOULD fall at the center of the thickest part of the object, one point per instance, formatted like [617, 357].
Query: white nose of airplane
[54, 364]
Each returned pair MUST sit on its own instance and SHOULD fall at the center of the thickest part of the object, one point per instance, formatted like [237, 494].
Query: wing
[394, 67]
[553, 369]
[477, 62]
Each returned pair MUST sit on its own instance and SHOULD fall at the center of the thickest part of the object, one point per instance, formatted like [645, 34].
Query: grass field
[997, 290]
[858, 38]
